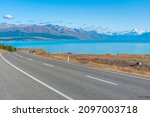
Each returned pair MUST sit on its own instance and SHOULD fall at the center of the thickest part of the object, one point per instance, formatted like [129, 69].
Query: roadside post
[68, 56]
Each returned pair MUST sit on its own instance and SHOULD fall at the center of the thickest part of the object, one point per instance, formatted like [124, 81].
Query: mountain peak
[137, 31]
[57, 31]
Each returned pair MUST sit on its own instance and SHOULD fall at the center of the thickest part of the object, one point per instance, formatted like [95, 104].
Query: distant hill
[9, 31]
[48, 32]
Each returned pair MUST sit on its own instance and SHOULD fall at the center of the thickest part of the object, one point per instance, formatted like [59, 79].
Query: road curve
[28, 77]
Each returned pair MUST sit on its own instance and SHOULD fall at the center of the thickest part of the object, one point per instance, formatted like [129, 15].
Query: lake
[85, 46]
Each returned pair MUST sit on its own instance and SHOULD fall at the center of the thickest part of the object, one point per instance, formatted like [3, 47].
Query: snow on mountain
[107, 31]
[138, 32]
[56, 31]
[48, 30]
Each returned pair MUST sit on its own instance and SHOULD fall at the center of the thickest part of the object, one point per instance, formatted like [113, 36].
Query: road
[30, 77]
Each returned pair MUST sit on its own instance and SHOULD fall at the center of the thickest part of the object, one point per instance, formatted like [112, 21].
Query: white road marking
[100, 69]
[32, 60]
[108, 71]
[24, 57]
[20, 56]
[32, 77]
[48, 65]
[101, 80]
[29, 59]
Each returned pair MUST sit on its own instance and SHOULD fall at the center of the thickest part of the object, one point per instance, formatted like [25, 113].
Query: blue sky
[116, 15]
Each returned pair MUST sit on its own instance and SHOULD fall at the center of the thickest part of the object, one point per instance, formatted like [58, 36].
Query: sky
[113, 15]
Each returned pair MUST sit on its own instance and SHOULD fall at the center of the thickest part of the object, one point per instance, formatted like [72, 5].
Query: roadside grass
[1, 50]
[117, 63]
[124, 63]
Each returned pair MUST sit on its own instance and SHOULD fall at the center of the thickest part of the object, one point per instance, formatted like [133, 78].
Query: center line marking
[20, 56]
[101, 80]
[32, 60]
[32, 77]
[48, 65]
[29, 59]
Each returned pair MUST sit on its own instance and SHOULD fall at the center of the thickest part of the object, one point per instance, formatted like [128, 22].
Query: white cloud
[7, 16]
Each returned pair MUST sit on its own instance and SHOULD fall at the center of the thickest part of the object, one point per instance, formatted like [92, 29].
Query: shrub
[8, 48]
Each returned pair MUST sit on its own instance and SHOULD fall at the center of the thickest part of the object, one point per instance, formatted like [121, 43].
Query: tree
[8, 48]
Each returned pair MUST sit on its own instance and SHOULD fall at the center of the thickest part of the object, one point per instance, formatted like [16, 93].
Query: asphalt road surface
[29, 77]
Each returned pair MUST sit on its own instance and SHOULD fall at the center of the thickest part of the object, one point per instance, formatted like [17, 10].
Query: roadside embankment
[1, 50]
[125, 63]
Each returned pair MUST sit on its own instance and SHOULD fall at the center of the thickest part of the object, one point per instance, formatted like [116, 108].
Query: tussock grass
[125, 63]
[1, 50]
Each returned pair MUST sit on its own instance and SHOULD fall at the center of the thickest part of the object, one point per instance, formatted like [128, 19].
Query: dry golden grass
[123, 63]
[1, 50]
[88, 60]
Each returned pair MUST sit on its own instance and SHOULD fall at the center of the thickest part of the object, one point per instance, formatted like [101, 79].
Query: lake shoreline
[133, 64]
[85, 46]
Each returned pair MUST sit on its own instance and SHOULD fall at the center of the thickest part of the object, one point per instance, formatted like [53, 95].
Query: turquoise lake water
[85, 46]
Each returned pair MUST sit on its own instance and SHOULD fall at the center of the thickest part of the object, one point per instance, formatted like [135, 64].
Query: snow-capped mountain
[136, 32]
[50, 31]
[99, 30]
[107, 31]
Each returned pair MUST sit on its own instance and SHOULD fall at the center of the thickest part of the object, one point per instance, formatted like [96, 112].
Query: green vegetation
[8, 48]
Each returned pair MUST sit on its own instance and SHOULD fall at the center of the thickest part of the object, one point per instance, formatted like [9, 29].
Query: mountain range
[49, 31]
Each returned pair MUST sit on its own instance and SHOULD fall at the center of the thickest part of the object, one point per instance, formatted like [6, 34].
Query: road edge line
[32, 77]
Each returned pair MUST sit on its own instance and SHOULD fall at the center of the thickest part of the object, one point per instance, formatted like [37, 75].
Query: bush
[8, 48]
